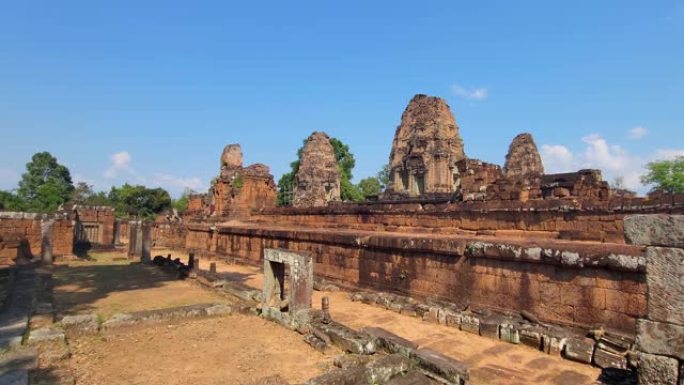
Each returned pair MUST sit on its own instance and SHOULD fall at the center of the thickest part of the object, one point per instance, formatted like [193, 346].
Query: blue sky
[150, 91]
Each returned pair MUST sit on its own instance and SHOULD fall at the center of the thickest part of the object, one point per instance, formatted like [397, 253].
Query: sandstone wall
[171, 235]
[103, 216]
[560, 218]
[576, 284]
[20, 235]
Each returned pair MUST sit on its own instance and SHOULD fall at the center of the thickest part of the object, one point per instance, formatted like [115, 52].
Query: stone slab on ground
[49, 333]
[443, 366]
[413, 378]
[390, 342]
[190, 311]
[19, 305]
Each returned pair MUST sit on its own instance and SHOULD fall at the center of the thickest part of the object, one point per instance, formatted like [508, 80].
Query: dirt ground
[492, 362]
[235, 350]
[239, 349]
[107, 285]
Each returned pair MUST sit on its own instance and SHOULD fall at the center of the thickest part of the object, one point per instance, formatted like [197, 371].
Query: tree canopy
[45, 185]
[665, 175]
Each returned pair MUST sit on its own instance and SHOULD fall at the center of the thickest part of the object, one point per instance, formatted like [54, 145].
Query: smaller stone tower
[318, 180]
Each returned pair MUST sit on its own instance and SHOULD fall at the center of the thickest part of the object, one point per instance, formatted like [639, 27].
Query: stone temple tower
[426, 147]
[318, 180]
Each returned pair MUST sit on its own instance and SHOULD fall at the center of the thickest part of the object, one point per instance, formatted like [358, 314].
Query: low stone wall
[585, 220]
[568, 283]
[20, 235]
[171, 235]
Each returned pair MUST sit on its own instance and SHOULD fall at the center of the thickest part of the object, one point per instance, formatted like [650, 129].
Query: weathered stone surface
[318, 178]
[413, 378]
[357, 375]
[607, 359]
[523, 159]
[382, 369]
[660, 338]
[426, 147]
[48, 333]
[350, 360]
[470, 324]
[81, 324]
[655, 230]
[441, 365]
[664, 272]
[579, 349]
[509, 333]
[348, 339]
[231, 157]
[189, 311]
[390, 342]
[657, 370]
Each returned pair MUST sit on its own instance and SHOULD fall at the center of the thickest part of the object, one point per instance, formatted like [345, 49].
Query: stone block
[660, 338]
[441, 365]
[453, 319]
[579, 349]
[509, 333]
[347, 339]
[412, 378]
[489, 328]
[664, 272]
[531, 337]
[606, 359]
[470, 324]
[390, 342]
[553, 345]
[655, 230]
[432, 315]
[381, 370]
[657, 370]
[82, 324]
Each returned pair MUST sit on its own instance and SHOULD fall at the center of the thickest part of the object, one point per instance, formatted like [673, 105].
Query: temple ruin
[426, 147]
[558, 263]
[317, 181]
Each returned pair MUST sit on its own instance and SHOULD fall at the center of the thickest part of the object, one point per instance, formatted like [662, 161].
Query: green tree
[82, 193]
[384, 176]
[11, 202]
[181, 204]
[345, 163]
[370, 186]
[139, 200]
[665, 175]
[46, 184]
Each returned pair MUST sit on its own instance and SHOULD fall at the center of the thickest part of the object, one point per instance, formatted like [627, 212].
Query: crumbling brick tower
[318, 180]
[426, 147]
[239, 190]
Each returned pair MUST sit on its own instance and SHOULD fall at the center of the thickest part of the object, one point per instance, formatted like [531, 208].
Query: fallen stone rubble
[597, 347]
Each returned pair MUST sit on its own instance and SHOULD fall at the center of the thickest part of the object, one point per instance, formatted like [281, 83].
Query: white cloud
[178, 184]
[613, 160]
[557, 157]
[120, 163]
[475, 93]
[668, 154]
[637, 132]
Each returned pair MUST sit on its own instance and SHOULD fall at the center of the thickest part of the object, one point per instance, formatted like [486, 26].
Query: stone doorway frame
[299, 287]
